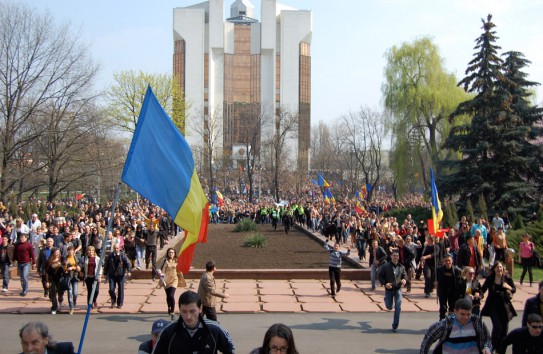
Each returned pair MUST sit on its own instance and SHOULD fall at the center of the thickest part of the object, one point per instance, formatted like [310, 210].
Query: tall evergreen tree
[493, 147]
[522, 179]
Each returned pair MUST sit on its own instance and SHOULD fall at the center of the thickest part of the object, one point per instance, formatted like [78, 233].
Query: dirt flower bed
[293, 251]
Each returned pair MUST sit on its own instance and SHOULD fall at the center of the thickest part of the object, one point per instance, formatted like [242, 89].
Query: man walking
[448, 279]
[393, 276]
[525, 340]
[6, 259]
[24, 254]
[191, 333]
[43, 257]
[460, 331]
[208, 292]
[115, 268]
[151, 237]
[334, 267]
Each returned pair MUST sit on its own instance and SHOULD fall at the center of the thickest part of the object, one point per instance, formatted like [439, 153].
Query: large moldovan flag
[160, 167]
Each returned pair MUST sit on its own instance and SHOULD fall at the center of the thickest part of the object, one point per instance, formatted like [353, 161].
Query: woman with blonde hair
[92, 271]
[470, 288]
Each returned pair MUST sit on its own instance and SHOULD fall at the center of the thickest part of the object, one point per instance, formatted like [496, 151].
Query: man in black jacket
[468, 255]
[533, 305]
[191, 333]
[115, 268]
[447, 284]
[525, 340]
[393, 276]
[35, 338]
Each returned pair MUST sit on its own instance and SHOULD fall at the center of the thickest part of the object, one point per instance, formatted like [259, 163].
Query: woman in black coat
[498, 305]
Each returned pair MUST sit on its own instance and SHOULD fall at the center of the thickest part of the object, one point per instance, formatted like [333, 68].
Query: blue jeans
[373, 274]
[24, 270]
[395, 295]
[140, 254]
[5, 275]
[72, 292]
[116, 280]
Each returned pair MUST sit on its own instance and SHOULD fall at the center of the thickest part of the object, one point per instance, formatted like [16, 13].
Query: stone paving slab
[278, 299]
[315, 299]
[241, 291]
[242, 299]
[277, 291]
[360, 307]
[321, 307]
[282, 307]
[154, 307]
[241, 307]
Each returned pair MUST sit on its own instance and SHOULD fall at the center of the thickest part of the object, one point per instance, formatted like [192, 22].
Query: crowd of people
[467, 263]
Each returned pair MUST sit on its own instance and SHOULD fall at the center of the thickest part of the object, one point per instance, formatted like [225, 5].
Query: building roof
[242, 19]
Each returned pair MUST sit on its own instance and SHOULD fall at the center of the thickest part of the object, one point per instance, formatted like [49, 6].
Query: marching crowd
[464, 266]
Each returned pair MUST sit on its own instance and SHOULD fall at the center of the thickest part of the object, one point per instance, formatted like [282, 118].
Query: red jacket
[24, 253]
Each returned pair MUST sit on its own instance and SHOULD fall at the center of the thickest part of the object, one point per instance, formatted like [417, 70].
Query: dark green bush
[256, 240]
[244, 225]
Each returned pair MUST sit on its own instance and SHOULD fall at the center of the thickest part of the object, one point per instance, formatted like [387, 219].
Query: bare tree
[210, 128]
[250, 136]
[36, 57]
[365, 132]
[322, 151]
[285, 129]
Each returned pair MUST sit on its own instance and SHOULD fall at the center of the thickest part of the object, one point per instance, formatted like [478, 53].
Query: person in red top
[24, 254]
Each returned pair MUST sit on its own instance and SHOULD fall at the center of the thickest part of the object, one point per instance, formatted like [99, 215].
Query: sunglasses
[536, 327]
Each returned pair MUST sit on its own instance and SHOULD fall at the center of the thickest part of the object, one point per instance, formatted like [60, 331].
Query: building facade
[239, 71]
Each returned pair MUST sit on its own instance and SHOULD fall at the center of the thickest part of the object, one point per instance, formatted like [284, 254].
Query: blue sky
[349, 40]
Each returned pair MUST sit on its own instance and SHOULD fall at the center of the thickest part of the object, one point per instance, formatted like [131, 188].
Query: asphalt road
[314, 333]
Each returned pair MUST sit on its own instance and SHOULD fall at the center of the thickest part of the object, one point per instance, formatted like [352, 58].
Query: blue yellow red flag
[219, 197]
[437, 212]
[322, 182]
[160, 167]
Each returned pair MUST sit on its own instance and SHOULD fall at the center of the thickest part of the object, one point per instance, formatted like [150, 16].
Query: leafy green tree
[495, 146]
[420, 94]
[125, 98]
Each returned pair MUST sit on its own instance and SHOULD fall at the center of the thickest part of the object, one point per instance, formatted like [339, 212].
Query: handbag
[81, 275]
[65, 283]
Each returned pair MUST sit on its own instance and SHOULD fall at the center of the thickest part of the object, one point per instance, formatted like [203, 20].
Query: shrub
[256, 240]
[245, 225]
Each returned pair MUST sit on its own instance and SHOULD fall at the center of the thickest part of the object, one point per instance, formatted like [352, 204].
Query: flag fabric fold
[160, 167]
[437, 212]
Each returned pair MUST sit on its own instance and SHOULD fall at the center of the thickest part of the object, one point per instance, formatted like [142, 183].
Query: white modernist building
[232, 70]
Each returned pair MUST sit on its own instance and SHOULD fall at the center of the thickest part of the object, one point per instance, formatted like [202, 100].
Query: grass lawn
[537, 272]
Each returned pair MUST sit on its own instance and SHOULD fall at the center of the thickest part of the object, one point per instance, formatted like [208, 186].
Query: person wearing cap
[156, 329]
